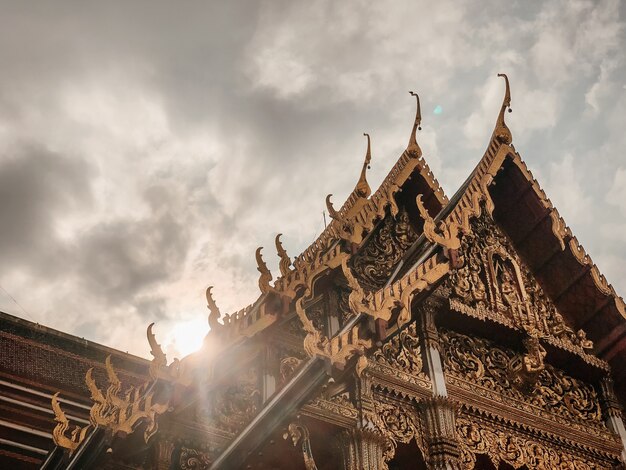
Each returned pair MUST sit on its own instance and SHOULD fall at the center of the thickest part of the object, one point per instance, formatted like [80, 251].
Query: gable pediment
[495, 284]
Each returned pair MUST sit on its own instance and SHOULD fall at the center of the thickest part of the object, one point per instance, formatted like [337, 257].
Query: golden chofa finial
[362, 187]
[214, 314]
[266, 275]
[502, 132]
[284, 263]
[413, 149]
[160, 360]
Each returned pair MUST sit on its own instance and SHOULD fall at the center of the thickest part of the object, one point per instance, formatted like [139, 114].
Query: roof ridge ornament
[159, 360]
[362, 187]
[413, 149]
[502, 132]
[266, 275]
[285, 262]
[215, 314]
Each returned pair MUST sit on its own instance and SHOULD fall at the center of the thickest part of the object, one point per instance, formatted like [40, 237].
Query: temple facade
[416, 332]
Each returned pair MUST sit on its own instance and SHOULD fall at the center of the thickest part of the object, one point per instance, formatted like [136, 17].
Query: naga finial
[114, 380]
[96, 393]
[413, 148]
[362, 187]
[215, 314]
[160, 360]
[502, 132]
[331, 210]
[266, 275]
[285, 262]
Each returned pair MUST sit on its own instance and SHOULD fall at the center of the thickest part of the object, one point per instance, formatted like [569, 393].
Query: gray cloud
[37, 186]
[172, 141]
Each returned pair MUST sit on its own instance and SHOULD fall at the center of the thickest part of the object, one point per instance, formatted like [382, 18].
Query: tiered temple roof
[374, 313]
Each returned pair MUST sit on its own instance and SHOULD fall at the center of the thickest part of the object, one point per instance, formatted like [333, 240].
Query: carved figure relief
[495, 284]
[520, 380]
[374, 264]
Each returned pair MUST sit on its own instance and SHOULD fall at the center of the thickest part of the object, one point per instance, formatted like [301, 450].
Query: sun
[186, 337]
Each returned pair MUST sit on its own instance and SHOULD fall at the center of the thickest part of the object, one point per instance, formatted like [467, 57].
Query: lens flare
[186, 337]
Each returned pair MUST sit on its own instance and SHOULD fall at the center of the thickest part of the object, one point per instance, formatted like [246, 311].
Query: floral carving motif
[401, 357]
[339, 404]
[472, 361]
[501, 446]
[192, 459]
[374, 264]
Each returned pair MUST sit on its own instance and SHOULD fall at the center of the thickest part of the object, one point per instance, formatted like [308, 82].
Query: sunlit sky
[147, 148]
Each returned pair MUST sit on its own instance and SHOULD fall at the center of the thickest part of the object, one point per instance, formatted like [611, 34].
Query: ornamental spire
[160, 360]
[362, 187]
[413, 149]
[215, 314]
[285, 261]
[502, 132]
[266, 275]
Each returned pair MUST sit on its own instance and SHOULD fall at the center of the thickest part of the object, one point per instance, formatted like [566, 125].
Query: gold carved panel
[401, 358]
[495, 284]
[502, 445]
[480, 366]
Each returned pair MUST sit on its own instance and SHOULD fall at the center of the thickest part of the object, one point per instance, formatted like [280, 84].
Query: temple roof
[500, 186]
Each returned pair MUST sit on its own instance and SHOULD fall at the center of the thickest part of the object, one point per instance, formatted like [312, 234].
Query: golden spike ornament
[361, 301]
[266, 275]
[362, 187]
[59, 434]
[119, 411]
[502, 133]
[159, 360]
[345, 228]
[215, 313]
[97, 413]
[331, 210]
[285, 262]
[413, 149]
[446, 235]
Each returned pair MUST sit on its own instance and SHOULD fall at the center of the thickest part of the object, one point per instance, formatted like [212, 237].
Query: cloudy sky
[146, 150]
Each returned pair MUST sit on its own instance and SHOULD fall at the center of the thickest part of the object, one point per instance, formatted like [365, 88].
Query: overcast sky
[147, 148]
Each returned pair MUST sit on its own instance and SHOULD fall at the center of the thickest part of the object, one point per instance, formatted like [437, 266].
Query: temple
[416, 331]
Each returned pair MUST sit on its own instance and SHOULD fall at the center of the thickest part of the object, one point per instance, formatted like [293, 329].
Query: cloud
[37, 187]
[146, 152]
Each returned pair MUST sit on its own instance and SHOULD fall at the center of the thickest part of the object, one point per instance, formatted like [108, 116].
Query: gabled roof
[561, 265]
[357, 217]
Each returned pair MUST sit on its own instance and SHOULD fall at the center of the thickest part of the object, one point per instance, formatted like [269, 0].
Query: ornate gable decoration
[480, 366]
[495, 284]
[120, 408]
[374, 265]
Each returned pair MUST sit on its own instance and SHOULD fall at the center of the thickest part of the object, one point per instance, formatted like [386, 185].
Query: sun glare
[186, 337]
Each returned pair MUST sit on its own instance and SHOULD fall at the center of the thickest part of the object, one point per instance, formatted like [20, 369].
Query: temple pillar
[363, 449]
[439, 412]
[368, 446]
[432, 350]
[613, 412]
[441, 437]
